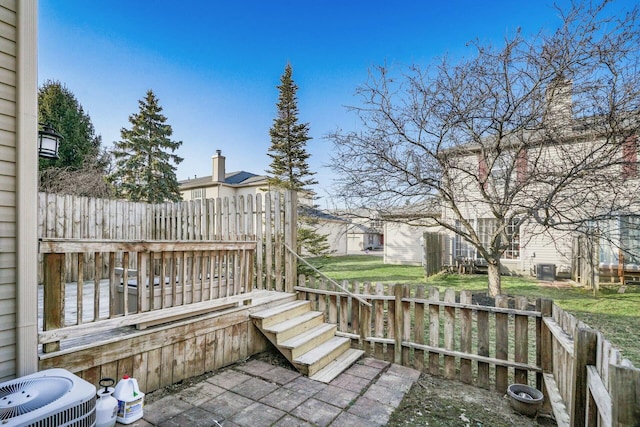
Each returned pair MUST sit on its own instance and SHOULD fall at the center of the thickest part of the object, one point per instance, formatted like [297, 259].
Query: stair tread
[288, 324]
[298, 340]
[310, 357]
[335, 368]
[263, 314]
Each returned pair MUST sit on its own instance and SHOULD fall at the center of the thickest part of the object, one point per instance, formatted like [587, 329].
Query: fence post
[397, 324]
[53, 307]
[290, 238]
[625, 395]
[585, 353]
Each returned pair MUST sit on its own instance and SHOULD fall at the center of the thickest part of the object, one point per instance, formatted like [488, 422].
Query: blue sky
[214, 65]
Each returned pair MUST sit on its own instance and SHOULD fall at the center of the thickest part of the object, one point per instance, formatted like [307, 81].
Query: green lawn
[616, 315]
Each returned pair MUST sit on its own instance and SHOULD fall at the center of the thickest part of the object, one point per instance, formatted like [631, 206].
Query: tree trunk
[493, 271]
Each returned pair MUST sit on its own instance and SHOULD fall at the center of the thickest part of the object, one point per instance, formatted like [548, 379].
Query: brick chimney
[218, 172]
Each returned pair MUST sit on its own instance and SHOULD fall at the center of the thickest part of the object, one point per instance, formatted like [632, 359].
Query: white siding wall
[336, 233]
[8, 229]
[402, 244]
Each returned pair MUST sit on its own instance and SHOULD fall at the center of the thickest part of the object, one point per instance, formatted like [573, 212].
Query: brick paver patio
[256, 394]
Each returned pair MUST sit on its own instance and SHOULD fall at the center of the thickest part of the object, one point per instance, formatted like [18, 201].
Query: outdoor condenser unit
[546, 272]
[50, 398]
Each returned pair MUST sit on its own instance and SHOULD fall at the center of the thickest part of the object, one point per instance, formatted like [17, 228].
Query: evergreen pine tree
[82, 163]
[144, 160]
[59, 108]
[289, 168]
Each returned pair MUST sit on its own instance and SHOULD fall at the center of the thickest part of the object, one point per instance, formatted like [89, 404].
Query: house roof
[237, 179]
[361, 229]
[320, 214]
[427, 208]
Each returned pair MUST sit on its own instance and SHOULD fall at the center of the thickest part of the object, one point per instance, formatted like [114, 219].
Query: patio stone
[350, 382]
[256, 415]
[403, 371]
[363, 371]
[254, 367]
[228, 379]
[284, 399]
[254, 388]
[291, 421]
[226, 405]
[200, 393]
[371, 411]
[305, 386]
[165, 408]
[395, 382]
[387, 396]
[351, 420]
[194, 417]
[336, 396]
[374, 363]
[279, 375]
[317, 412]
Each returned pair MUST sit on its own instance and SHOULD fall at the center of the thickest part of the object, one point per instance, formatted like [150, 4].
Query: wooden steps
[303, 337]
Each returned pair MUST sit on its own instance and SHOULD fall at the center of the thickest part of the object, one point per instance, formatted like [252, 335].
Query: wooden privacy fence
[171, 280]
[488, 346]
[268, 219]
[587, 381]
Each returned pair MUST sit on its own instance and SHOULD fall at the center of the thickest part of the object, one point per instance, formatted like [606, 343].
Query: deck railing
[585, 380]
[148, 282]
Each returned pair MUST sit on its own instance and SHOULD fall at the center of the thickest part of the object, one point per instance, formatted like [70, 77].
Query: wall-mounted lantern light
[48, 142]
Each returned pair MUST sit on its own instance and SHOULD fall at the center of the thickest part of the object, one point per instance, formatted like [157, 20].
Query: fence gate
[433, 248]
[585, 261]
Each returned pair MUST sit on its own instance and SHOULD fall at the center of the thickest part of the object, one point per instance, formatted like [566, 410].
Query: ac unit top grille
[25, 396]
[50, 398]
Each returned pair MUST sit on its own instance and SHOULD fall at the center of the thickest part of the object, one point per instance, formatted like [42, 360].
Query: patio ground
[260, 393]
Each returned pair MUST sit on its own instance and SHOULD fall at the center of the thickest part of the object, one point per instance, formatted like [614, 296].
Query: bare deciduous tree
[540, 131]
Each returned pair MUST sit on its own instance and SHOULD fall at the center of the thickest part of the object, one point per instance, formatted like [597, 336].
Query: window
[461, 248]
[199, 193]
[620, 236]
[487, 228]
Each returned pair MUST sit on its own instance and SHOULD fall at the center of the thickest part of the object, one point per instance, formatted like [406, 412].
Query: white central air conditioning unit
[50, 398]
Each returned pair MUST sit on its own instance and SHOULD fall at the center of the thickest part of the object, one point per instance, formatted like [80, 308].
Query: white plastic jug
[130, 400]
[107, 405]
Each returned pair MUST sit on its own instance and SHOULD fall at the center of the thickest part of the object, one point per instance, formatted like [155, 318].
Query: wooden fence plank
[483, 347]
[378, 306]
[434, 331]
[465, 337]
[418, 355]
[521, 341]
[585, 354]
[625, 395]
[502, 344]
[449, 334]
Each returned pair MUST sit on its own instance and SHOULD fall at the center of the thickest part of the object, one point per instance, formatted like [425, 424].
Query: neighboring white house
[529, 166]
[332, 226]
[222, 183]
[528, 244]
[404, 231]
[365, 231]
[18, 188]
[403, 243]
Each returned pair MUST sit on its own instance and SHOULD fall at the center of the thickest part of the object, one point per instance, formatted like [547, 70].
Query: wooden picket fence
[268, 219]
[487, 346]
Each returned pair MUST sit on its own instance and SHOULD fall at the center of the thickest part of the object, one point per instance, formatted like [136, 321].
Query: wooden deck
[259, 299]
